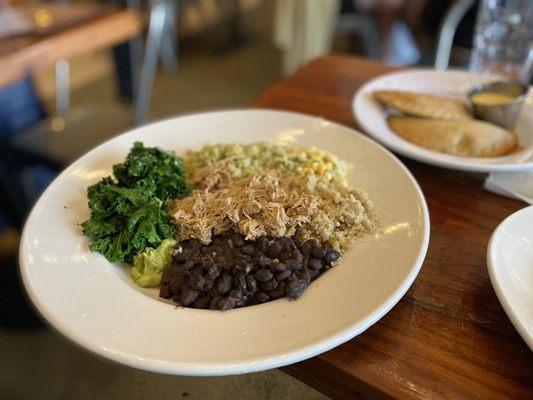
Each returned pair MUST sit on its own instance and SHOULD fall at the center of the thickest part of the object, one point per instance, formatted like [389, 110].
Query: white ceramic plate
[510, 263]
[97, 305]
[453, 84]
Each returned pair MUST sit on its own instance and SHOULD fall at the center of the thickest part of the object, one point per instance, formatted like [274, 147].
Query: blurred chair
[364, 26]
[453, 17]
[160, 43]
[40, 146]
[304, 30]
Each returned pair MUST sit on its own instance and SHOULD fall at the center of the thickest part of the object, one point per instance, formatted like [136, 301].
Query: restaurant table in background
[448, 338]
[90, 28]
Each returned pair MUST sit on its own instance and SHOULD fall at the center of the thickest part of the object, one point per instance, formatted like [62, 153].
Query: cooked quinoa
[342, 214]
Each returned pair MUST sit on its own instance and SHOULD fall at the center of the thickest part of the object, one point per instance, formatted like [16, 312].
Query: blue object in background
[19, 108]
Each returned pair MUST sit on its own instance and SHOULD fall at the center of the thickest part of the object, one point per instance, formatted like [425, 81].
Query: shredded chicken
[214, 175]
[268, 203]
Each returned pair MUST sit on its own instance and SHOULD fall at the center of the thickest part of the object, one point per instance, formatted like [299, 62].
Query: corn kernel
[320, 169]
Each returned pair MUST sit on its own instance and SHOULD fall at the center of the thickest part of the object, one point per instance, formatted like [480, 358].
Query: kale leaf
[163, 167]
[129, 214]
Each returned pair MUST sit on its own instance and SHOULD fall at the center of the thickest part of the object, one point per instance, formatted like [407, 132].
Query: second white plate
[510, 263]
[453, 84]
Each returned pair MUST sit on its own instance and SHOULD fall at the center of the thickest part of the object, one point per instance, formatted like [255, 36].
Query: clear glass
[503, 39]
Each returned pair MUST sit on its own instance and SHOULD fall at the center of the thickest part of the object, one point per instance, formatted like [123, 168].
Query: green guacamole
[148, 266]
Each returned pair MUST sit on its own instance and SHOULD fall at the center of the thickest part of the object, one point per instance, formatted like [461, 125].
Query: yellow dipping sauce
[491, 99]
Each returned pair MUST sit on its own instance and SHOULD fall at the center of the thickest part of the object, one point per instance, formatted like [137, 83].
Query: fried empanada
[468, 138]
[424, 105]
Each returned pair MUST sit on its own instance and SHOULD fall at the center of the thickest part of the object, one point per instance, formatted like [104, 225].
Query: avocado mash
[148, 266]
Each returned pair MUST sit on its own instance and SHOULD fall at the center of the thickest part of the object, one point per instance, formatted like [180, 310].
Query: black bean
[263, 275]
[205, 250]
[269, 285]
[307, 247]
[213, 272]
[180, 258]
[172, 272]
[262, 243]
[213, 305]
[318, 252]
[315, 264]
[188, 296]
[293, 277]
[252, 284]
[279, 291]
[287, 243]
[248, 268]
[313, 274]
[263, 260]
[237, 240]
[187, 265]
[274, 249]
[195, 244]
[295, 289]
[236, 294]
[202, 301]
[209, 283]
[278, 267]
[284, 255]
[293, 264]
[217, 241]
[244, 257]
[164, 292]
[197, 281]
[220, 260]
[313, 243]
[280, 276]
[186, 251]
[248, 249]
[240, 282]
[224, 286]
[306, 277]
[331, 256]
[227, 303]
[262, 297]
[175, 285]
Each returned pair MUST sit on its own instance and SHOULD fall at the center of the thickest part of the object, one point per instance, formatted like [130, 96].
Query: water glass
[503, 39]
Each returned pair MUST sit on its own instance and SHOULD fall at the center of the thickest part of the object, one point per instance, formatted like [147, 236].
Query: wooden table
[448, 338]
[24, 55]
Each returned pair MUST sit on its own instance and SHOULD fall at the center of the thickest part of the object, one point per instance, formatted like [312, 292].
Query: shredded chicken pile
[263, 204]
[214, 176]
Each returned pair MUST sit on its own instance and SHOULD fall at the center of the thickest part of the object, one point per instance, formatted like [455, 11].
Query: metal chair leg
[135, 50]
[149, 66]
[168, 52]
[62, 94]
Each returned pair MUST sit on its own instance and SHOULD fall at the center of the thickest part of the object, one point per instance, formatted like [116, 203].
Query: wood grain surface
[449, 337]
[23, 55]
